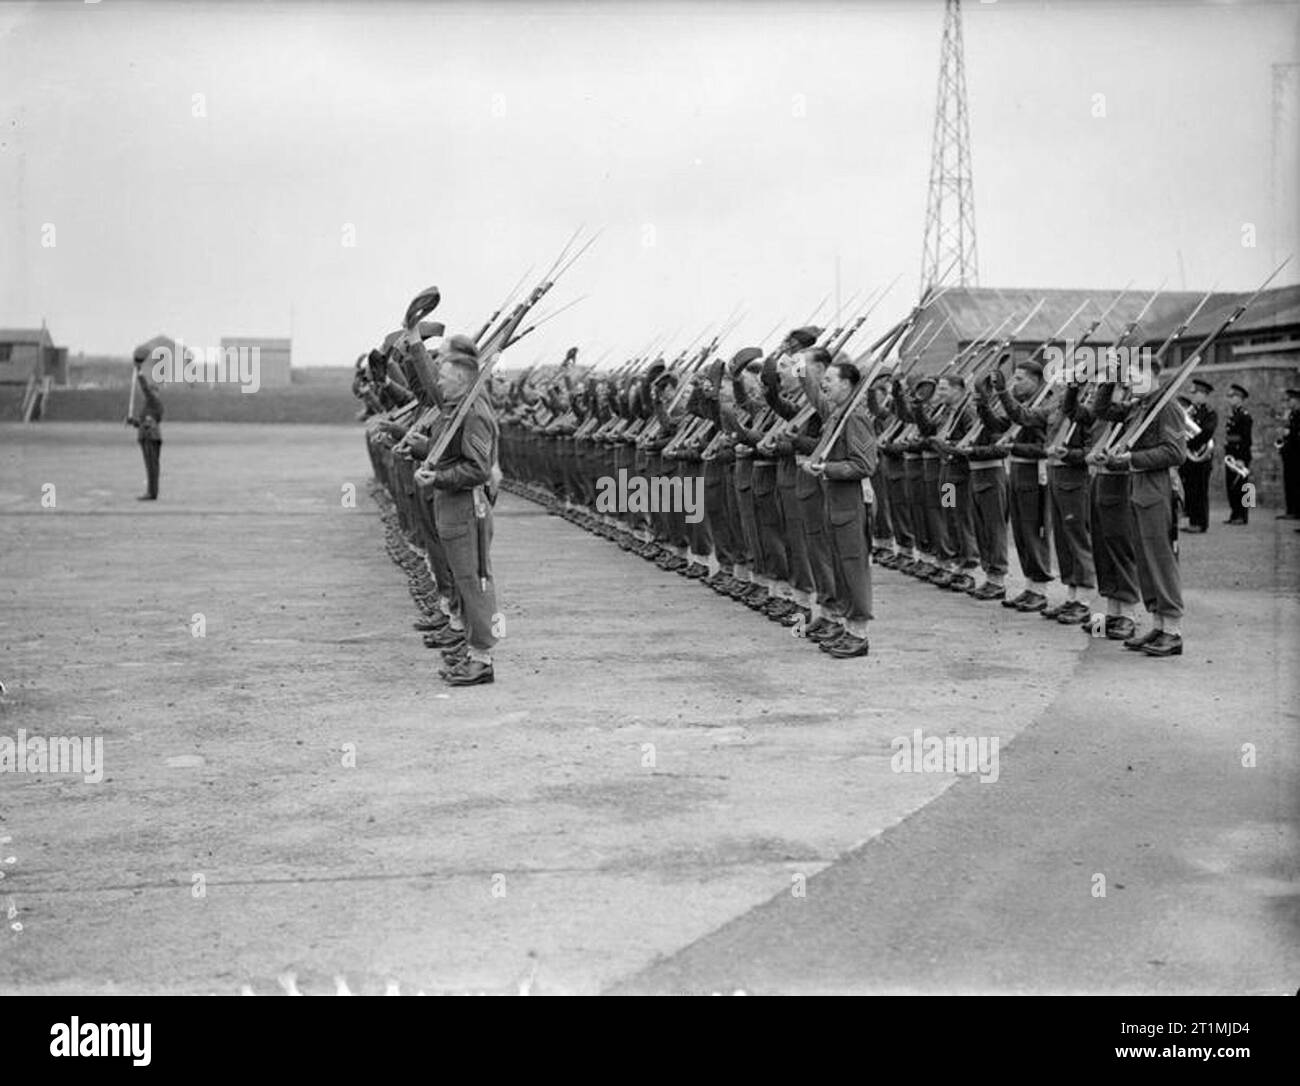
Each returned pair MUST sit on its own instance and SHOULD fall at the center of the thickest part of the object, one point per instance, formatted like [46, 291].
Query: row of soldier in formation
[928, 476]
[805, 479]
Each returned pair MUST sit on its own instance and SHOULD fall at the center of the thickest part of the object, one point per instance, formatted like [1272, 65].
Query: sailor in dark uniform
[1288, 447]
[1200, 457]
[1238, 434]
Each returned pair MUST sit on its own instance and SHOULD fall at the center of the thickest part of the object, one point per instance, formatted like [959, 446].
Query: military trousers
[152, 452]
[914, 487]
[881, 527]
[464, 521]
[1113, 548]
[1196, 490]
[931, 498]
[699, 536]
[988, 488]
[958, 543]
[1071, 524]
[767, 514]
[897, 499]
[718, 511]
[1235, 485]
[439, 567]
[1152, 509]
[795, 538]
[1028, 507]
[812, 518]
[744, 490]
[846, 517]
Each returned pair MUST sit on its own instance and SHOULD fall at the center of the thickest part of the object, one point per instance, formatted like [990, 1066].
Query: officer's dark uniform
[149, 423]
[1289, 448]
[1238, 435]
[1196, 468]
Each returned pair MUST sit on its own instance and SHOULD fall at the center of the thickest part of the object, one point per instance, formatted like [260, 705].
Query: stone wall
[1265, 376]
[306, 404]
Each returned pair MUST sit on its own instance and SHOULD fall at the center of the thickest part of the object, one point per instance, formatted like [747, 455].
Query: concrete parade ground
[663, 791]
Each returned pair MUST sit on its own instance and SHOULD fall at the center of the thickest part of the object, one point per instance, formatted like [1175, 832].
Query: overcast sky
[203, 165]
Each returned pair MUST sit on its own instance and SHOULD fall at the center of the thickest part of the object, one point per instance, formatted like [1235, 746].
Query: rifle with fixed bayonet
[1119, 440]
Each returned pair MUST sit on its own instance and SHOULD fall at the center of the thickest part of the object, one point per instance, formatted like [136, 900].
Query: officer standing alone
[149, 423]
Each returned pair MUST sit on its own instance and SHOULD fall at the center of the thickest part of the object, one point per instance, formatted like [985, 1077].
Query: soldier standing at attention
[779, 386]
[464, 481]
[882, 525]
[849, 459]
[1114, 549]
[149, 423]
[988, 489]
[1238, 434]
[1200, 457]
[1163, 445]
[1027, 498]
[1067, 488]
[959, 550]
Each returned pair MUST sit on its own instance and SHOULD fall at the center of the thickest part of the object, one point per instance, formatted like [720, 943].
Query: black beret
[1239, 391]
[802, 338]
[460, 351]
[742, 359]
[421, 306]
[1293, 392]
[1202, 386]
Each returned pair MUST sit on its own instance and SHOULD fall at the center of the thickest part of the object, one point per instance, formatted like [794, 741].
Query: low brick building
[30, 352]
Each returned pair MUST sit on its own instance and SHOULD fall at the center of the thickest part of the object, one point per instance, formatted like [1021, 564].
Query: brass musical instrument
[1236, 466]
[1193, 429]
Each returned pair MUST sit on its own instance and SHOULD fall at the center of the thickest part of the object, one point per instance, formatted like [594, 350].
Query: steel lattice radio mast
[949, 250]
